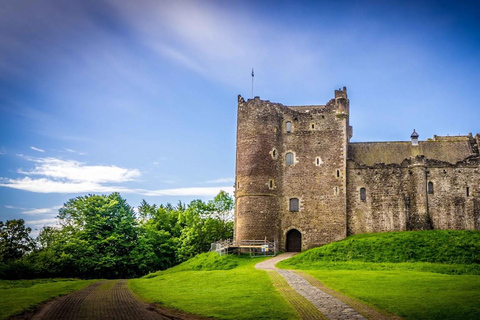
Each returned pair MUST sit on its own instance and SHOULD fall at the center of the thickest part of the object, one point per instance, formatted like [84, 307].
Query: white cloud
[37, 149]
[3, 151]
[14, 208]
[68, 176]
[74, 151]
[79, 172]
[201, 192]
[44, 185]
[214, 41]
[221, 180]
[50, 211]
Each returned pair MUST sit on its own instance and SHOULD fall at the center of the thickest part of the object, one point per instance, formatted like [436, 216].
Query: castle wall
[257, 171]
[328, 173]
[398, 199]
[450, 207]
[322, 194]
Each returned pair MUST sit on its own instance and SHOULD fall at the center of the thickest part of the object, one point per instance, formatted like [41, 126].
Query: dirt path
[330, 304]
[110, 299]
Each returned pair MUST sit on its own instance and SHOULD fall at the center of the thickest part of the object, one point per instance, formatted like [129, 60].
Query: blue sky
[140, 97]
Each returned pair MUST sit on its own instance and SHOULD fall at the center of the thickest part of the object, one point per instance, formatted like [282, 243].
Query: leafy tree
[103, 235]
[15, 240]
[204, 223]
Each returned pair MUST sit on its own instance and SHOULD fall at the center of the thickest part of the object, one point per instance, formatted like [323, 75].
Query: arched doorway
[294, 241]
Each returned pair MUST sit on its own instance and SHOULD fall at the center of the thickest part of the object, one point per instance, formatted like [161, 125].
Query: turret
[341, 102]
[414, 138]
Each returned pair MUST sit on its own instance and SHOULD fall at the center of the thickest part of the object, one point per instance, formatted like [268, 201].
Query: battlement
[341, 93]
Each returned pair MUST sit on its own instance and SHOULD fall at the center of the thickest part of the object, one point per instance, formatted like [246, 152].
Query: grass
[440, 251]
[417, 275]
[409, 294]
[21, 295]
[227, 287]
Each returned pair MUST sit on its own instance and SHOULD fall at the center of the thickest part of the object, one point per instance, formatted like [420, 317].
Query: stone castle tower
[301, 182]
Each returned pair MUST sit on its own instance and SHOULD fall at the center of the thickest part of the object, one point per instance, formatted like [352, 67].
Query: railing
[254, 247]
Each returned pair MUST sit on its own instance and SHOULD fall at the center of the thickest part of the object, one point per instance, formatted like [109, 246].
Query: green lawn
[418, 275]
[239, 293]
[19, 295]
[410, 294]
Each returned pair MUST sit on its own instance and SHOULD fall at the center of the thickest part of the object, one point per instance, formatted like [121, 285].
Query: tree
[204, 223]
[103, 235]
[15, 240]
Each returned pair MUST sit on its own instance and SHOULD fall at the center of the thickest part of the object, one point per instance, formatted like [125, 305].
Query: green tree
[204, 223]
[102, 235]
[15, 240]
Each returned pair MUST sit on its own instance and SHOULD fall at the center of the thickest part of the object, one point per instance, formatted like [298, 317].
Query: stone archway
[294, 241]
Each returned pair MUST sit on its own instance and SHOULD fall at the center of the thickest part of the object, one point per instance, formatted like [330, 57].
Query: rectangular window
[468, 192]
[363, 194]
[289, 158]
[294, 204]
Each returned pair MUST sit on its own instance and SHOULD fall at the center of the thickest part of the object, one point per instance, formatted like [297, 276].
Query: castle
[301, 182]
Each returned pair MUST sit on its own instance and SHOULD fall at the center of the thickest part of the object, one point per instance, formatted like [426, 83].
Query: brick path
[331, 307]
[105, 300]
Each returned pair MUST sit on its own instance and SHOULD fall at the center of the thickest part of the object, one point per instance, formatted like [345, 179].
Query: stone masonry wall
[397, 196]
[328, 173]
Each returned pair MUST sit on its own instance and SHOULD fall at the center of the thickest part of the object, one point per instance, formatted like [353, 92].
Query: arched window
[430, 187]
[289, 158]
[363, 194]
[288, 126]
[293, 204]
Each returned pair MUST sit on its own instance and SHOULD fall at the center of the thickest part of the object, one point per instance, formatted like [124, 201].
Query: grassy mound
[220, 287]
[432, 246]
[208, 261]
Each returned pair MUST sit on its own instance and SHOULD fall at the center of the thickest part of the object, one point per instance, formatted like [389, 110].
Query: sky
[140, 97]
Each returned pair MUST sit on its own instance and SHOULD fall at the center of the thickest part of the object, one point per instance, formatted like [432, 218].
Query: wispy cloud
[221, 180]
[3, 151]
[37, 149]
[68, 176]
[37, 211]
[44, 185]
[206, 38]
[75, 171]
[14, 208]
[202, 191]
[74, 151]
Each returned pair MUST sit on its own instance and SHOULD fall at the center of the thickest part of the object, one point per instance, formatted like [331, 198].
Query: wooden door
[294, 241]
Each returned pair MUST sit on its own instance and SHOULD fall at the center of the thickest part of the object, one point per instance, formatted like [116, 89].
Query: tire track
[105, 300]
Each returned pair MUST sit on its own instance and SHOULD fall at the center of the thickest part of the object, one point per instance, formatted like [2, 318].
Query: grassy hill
[222, 287]
[416, 275]
[441, 251]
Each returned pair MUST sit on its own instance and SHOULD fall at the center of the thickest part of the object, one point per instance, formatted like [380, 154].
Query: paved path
[104, 300]
[330, 306]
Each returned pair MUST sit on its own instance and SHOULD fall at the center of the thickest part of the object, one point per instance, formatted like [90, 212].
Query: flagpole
[253, 75]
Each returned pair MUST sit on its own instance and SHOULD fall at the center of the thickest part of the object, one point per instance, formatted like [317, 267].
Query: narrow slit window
[289, 158]
[338, 173]
[318, 161]
[294, 204]
[270, 184]
[274, 153]
[468, 192]
[288, 126]
[430, 187]
[363, 194]
[313, 126]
